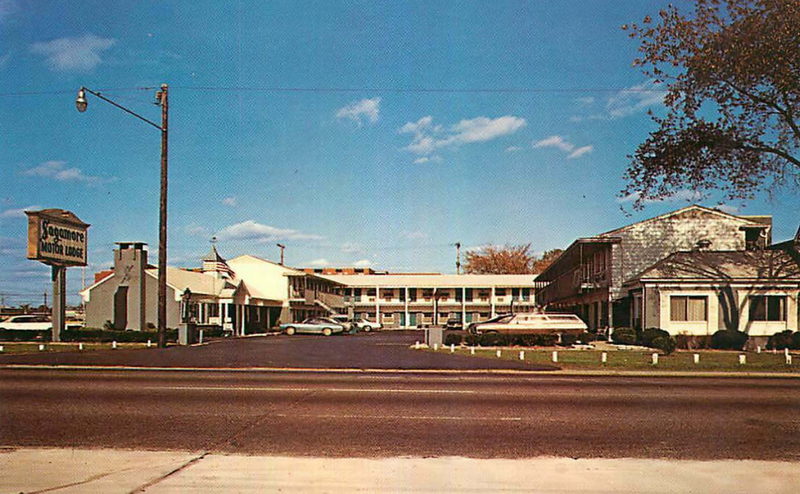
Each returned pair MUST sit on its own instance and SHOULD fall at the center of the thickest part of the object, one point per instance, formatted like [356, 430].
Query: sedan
[314, 325]
[27, 322]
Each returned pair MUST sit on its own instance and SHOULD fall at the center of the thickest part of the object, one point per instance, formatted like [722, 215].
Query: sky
[367, 133]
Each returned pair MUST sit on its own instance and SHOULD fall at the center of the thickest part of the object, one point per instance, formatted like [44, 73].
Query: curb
[299, 370]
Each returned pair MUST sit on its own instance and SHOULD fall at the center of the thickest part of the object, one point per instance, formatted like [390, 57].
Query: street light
[161, 100]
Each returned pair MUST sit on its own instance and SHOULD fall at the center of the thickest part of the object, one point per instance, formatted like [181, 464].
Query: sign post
[59, 239]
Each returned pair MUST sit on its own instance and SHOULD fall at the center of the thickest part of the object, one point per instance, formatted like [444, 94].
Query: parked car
[31, 322]
[453, 323]
[531, 323]
[344, 321]
[313, 325]
[367, 326]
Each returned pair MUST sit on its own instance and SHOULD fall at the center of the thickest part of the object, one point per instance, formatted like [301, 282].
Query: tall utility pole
[282, 247]
[458, 257]
[163, 100]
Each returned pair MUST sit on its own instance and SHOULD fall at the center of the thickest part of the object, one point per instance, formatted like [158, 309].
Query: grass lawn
[28, 347]
[681, 360]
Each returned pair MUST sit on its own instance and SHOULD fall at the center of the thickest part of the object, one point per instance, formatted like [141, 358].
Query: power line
[311, 89]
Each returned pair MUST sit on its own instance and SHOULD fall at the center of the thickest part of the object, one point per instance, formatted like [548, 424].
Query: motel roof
[433, 281]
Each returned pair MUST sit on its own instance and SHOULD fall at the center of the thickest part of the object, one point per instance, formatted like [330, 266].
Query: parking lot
[381, 350]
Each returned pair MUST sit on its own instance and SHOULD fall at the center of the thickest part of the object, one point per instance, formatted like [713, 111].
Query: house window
[768, 307]
[688, 308]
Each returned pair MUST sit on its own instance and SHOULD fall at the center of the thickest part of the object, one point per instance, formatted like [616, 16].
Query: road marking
[329, 390]
[401, 417]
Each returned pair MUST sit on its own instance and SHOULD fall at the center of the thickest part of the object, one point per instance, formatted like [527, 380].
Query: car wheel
[327, 331]
[290, 331]
[367, 329]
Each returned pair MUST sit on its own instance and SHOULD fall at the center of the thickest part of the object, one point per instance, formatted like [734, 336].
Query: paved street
[381, 415]
[382, 350]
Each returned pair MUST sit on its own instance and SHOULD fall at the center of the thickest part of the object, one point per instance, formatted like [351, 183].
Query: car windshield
[502, 319]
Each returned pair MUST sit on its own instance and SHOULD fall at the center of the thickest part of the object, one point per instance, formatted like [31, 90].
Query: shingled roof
[719, 266]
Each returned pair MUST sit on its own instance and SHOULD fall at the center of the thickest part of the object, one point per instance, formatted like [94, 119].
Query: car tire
[290, 331]
[327, 331]
[367, 329]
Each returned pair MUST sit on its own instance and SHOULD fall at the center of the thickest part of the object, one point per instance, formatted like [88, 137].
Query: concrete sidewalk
[110, 471]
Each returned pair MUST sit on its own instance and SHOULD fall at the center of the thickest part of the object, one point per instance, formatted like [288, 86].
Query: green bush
[646, 337]
[494, 339]
[473, 339]
[105, 336]
[568, 339]
[624, 336]
[547, 339]
[24, 335]
[666, 344]
[587, 337]
[728, 340]
[453, 339]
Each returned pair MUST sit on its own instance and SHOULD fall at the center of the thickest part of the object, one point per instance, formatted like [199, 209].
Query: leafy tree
[732, 74]
[509, 259]
[546, 260]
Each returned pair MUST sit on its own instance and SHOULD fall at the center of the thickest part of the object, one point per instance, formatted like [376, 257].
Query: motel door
[412, 319]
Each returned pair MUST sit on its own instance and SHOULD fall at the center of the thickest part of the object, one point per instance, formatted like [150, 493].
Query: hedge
[784, 339]
[624, 336]
[728, 340]
[87, 334]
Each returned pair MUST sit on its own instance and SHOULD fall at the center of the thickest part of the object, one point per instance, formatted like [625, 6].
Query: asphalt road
[381, 415]
[381, 350]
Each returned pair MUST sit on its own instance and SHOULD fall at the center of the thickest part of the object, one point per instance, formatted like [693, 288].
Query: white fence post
[555, 356]
[452, 348]
[80, 346]
[435, 347]
[742, 359]
[696, 358]
[498, 353]
[114, 345]
[655, 359]
[472, 350]
[149, 343]
[1, 348]
[604, 357]
[522, 355]
[41, 347]
[788, 360]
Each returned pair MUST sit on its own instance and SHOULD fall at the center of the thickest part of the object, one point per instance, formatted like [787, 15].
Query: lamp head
[80, 101]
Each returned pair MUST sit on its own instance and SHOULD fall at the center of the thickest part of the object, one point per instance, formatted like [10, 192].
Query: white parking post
[758, 349]
[472, 350]
[522, 355]
[696, 358]
[1, 348]
[435, 347]
[742, 359]
[498, 353]
[452, 348]
[416, 345]
[555, 356]
[41, 347]
[788, 360]
[80, 346]
[114, 345]
[604, 357]
[786, 352]
[655, 359]
[149, 343]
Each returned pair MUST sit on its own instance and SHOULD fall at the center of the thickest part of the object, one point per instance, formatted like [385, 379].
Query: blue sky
[343, 164]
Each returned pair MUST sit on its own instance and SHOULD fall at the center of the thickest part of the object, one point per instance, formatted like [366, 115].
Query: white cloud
[415, 235]
[580, 152]
[623, 103]
[322, 262]
[80, 53]
[57, 170]
[728, 208]
[18, 213]
[562, 144]
[513, 149]
[229, 201]
[554, 142]
[358, 111]
[196, 230]
[362, 263]
[428, 137]
[251, 230]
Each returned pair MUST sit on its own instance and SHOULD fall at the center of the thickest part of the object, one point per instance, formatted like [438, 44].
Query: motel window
[387, 294]
[768, 307]
[402, 294]
[412, 294]
[526, 294]
[427, 293]
[370, 292]
[468, 294]
[688, 308]
[500, 292]
[483, 294]
[515, 293]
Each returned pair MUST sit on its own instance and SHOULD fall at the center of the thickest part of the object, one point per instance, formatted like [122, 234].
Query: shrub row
[650, 337]
[784, 339]
[497, 339]
[87, 334]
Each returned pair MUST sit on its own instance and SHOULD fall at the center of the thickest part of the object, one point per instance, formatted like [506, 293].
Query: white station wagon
[531, 323]
[30, 322]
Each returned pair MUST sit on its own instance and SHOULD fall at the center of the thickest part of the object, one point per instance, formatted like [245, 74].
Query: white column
[377, 304]
[463, 306]
[244, 316]
[406, 307]
[493, 307]
[219, 313]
